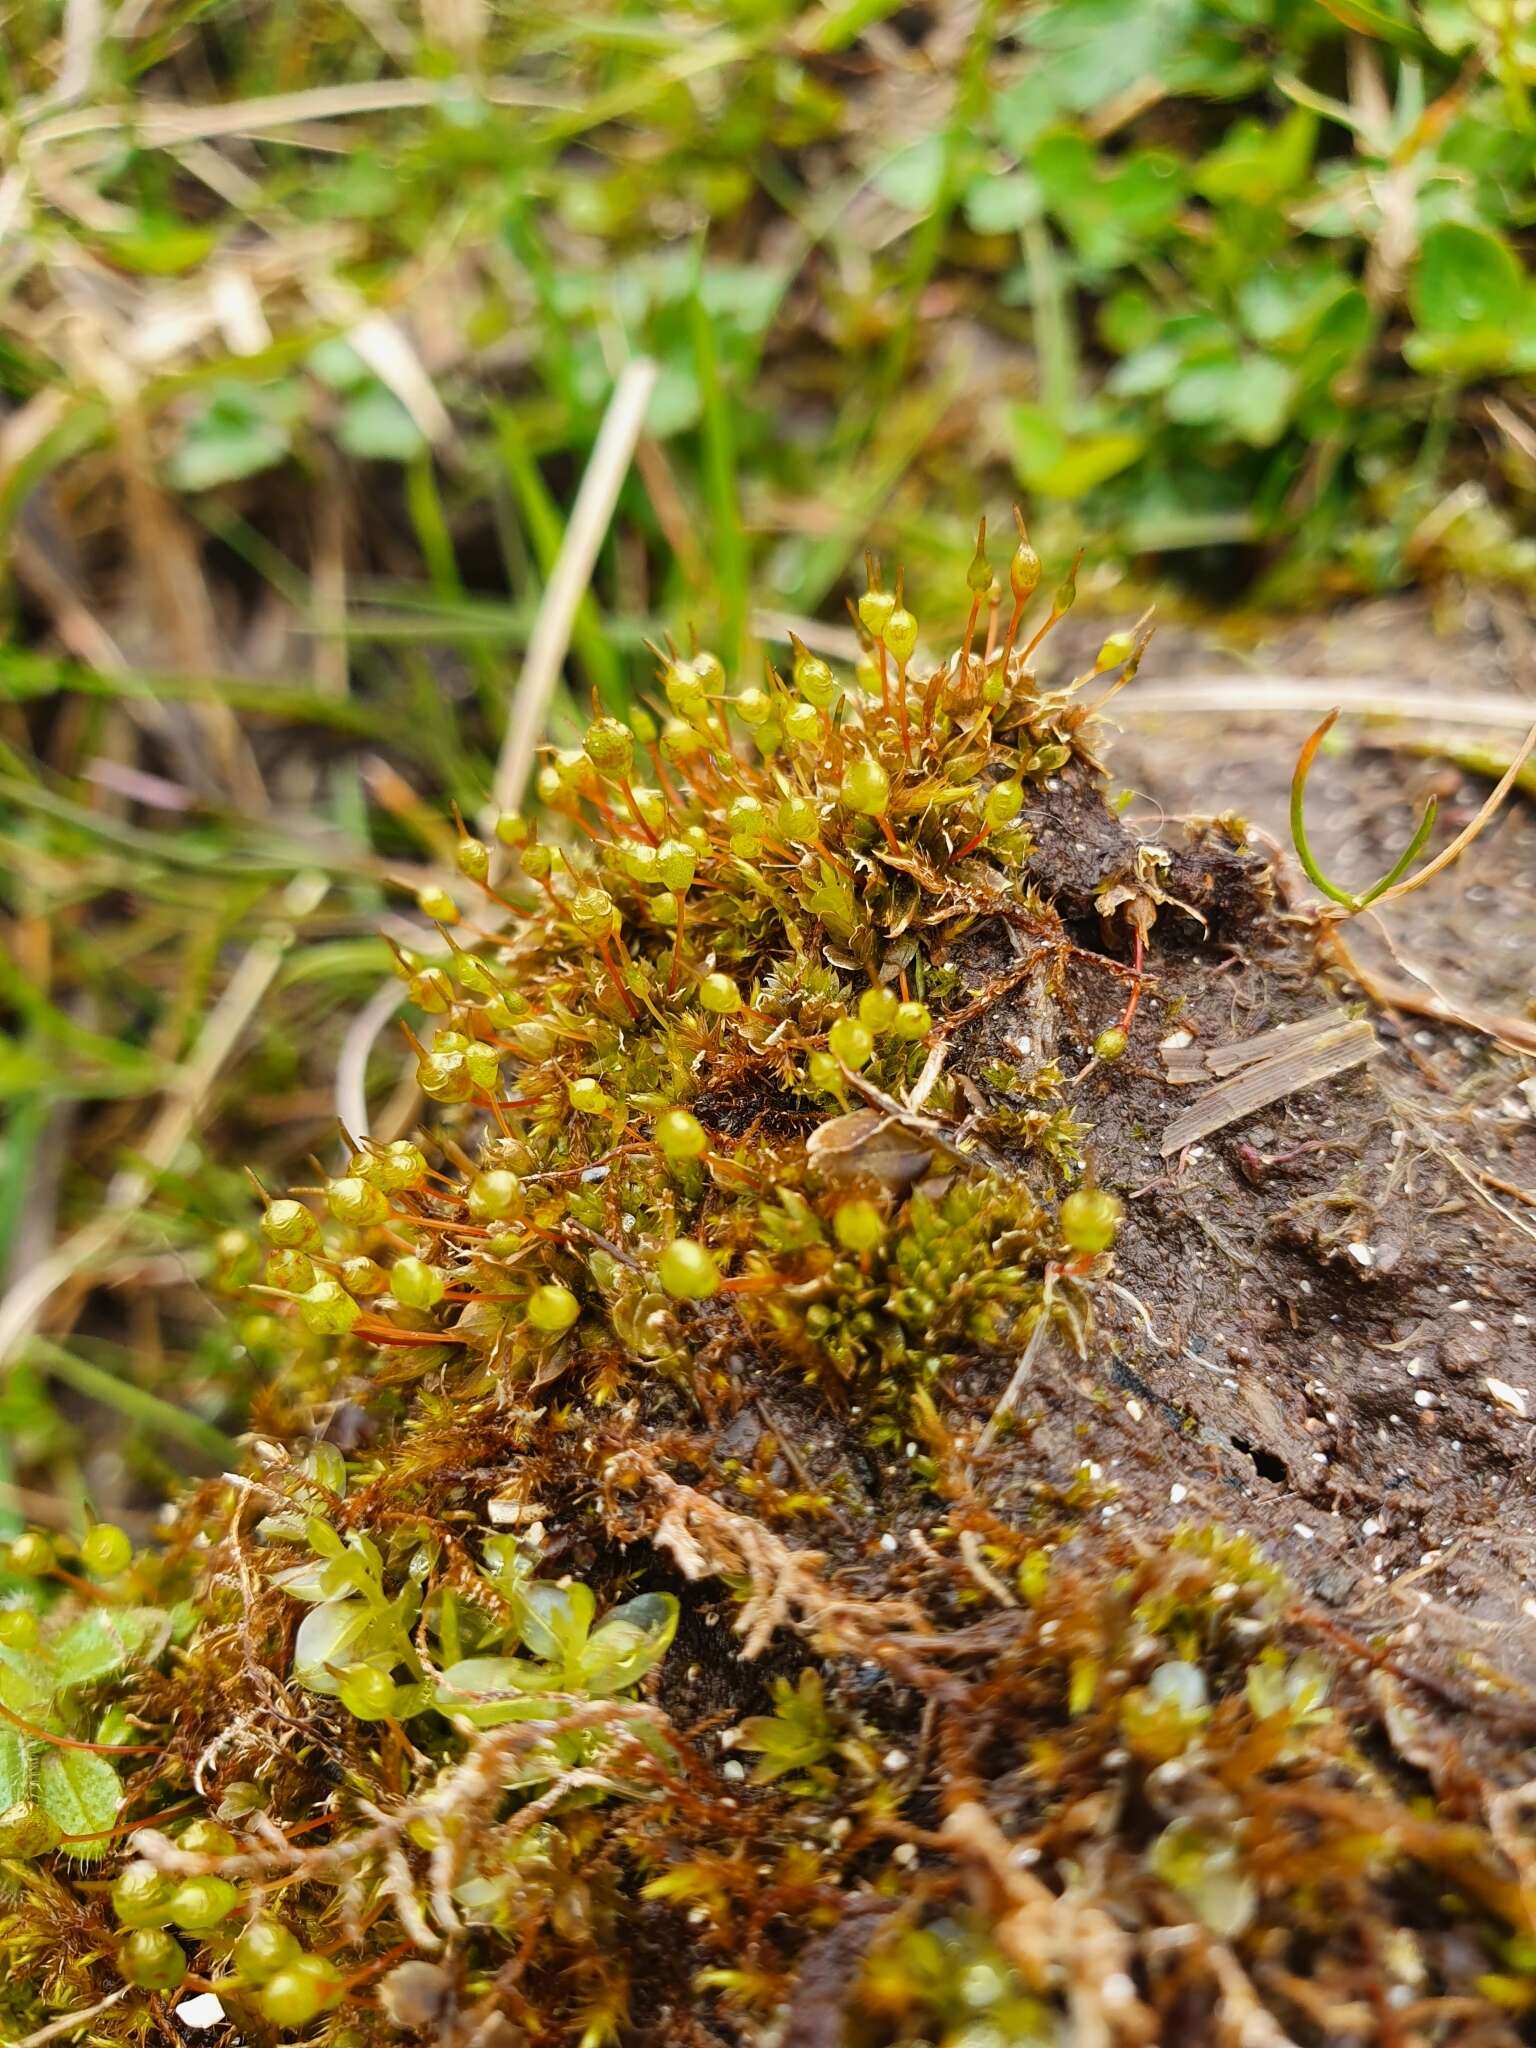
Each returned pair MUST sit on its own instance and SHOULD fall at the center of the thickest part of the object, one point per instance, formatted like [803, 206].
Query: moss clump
[644, 1617]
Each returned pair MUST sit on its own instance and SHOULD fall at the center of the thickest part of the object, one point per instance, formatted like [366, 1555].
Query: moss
[647, 1398]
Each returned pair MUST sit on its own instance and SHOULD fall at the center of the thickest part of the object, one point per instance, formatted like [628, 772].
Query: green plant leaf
[1055, 464]
[375, 427]
[331, 1634]
[1250, 396]
[240, 432]
[82, 1793]
[1473, 306]
[107, 1639]
[1468, 278]
[1257, 164]
[17, 1757]
[557, 1622]
[629, 1641]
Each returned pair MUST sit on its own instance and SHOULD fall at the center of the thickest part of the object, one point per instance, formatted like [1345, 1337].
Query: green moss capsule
[552, 1308]
[472, 858]
[680, 1136]
[327, 1309]
[264, 1948]
[875, 608]
[301, 1991]
[1004, 802]
[858, 1225]
[610, 747]
[676, 865]
[292, 1271]
[492, 1195]
[719, 995]
[106, 1551]
[878, 1008]
[814, 678]
[687, 1270]
[802, 724]
[19, 1629]
[151, 1960]
[866, 788]
[748, 820]
[199, 1903]
[27, 1832]
[912, 1020]
[754, 708]
[431, 990]
[901, 633]
[206, 1838]
[436, 903]
[1110, 1043]
[1090, 1219]
[415, 1284]
[351, 1200]
[289, 1224]
[798, 820]
[29, 1555]
[141, 1896]
[851, 1043]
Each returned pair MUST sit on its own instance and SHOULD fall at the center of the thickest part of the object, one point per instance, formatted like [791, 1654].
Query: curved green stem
[1351, 900]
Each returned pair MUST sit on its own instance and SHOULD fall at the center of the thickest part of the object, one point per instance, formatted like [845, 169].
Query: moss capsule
[19, 1629]
[27, 1832]
[301, 1991]
[199, 1903]
[676, 863]
[901, 633]
[680, 1136]
[1110, 1043]
[29, 1555]
[1004, 802]
[415, 1284]
[472, 858]
[912, 1020]
[151, 1960]
[289, 1224]
[437, 904]
[327, 1309]
[798, 820]
[264, 1948]
[719, 995]
[1090, 1219]
[106, 1551]
[687, 1270]
[552, 1308]
[292, 1271]
[802, 724]
[850, 1042]
[875, 609]
[858, 1226]
[877, 1009]
[141, 1896]
[351, 1200]
[492, 1195]
[610, 747]
[866, 788]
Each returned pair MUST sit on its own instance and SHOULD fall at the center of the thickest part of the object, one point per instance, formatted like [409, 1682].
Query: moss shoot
[646, 1615]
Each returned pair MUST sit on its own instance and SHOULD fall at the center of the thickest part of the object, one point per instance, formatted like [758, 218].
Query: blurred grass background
[309, 313]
